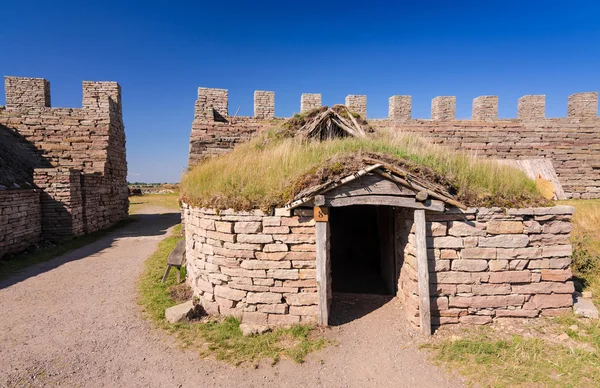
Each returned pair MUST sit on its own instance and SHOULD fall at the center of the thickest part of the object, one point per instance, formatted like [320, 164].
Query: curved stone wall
[257, 267]
[484, 263]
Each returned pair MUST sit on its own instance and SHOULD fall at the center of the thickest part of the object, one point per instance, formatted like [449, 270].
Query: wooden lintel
[386, 200]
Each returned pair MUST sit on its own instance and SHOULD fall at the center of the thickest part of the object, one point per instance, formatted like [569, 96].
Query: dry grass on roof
[270, 170]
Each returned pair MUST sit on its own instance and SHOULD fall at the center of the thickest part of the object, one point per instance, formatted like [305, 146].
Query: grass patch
[488, 359]
[138, 202]
[221, 338]
[585, 238]
[13, 264]
[271, 169]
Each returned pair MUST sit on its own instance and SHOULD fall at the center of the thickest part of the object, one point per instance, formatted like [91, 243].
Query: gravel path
[73, 321]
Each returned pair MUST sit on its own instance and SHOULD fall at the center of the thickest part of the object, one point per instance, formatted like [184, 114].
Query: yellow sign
[321, 214]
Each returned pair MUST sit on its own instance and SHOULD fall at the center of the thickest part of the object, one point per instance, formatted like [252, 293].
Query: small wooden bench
[175, 259]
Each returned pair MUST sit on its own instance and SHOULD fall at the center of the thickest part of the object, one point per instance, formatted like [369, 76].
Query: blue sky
[160, 52]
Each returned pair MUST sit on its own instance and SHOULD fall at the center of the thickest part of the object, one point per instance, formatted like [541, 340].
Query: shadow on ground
[346, 308]
[144, 225]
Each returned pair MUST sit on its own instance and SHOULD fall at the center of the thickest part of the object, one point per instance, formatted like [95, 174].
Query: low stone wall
[258, 267]
[20, 220]
[484, 263]
[490, 263]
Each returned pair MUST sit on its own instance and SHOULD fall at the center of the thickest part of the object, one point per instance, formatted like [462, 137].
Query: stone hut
[63, 171]
[376, 231]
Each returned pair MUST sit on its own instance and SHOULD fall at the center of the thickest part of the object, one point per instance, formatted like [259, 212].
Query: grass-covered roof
[270, 170]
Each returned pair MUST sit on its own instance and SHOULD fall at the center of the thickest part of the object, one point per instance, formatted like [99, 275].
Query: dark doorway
[362, 250]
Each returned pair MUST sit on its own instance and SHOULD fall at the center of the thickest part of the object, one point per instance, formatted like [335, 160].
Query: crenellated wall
[571, 143]
[85, 148]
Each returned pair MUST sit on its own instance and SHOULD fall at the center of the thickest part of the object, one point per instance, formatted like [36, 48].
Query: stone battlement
[73, 168]
[443, 108]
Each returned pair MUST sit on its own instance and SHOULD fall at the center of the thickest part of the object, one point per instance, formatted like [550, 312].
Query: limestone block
[505, 241]
[277, 247]
[491, 289]
[229, 293]
[510, 277]
[283, 320]
[544, 301]
[284, 274]
[255, 238]
[263, 297]
[544, 288]
[552, 275]
[247, 227]
[475, 320]
[469, 265]
[504, 227]
[491, 301]
[265, 264]
[478, 253]
[180, 312]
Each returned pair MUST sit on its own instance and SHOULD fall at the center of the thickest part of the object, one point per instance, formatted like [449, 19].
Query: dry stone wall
[484, 263]
[489, 263]
[258, 267]
[86, 144]
[20, 220]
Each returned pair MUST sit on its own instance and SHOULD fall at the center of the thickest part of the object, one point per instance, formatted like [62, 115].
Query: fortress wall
[571, 143]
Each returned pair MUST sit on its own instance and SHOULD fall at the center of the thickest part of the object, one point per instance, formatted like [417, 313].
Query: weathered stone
[303, 229]
[304, 310]
[487, 301]
[265, 264]
[446, 242]
[532, 227]
[244, 272]
[276, 229]
[478, 253]
[247, 227]
[222, 302]
[557, 227]
[255, 238]
[271, 256]
[271, 221]
[180, 312]
[466, 228]
[498, 265]
[222, 236]
[280, 308]
[302, 299]
[544, 301]
[504, 227]
[510, 277]
[241, 247]
[224, 227]
[268, 248]
[233, 253]
[519, 253]
[544, 288]
[254, 318]
[469, 265]
[491, 289]
[504, 241]
[289, 274]
[460, 277]
[551, 275]
[295, 238]
[448, 254]
[229, 293]
[436, 228]
[557, 250]
[585, 308]
[475, 320]
[304, 264]
[263, 297]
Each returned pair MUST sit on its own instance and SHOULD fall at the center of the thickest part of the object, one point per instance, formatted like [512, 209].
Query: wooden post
[323, 262]
[423, 272]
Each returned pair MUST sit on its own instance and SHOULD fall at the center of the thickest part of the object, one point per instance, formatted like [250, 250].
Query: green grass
[269, 170]
[222, 338]
[138, 202]
[14, 264]
[490, 360]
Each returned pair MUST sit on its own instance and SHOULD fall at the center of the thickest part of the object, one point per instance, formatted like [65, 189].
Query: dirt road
[74, 321]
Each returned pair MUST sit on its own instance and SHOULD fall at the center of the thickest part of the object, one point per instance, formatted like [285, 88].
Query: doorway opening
[362, 250]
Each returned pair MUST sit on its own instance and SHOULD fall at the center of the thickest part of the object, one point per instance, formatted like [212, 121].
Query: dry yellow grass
[265, 172]
[138, 202]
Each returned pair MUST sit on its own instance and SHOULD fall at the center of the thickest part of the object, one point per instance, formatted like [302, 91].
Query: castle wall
[20, 220]
[86, 147]
[571, 143]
